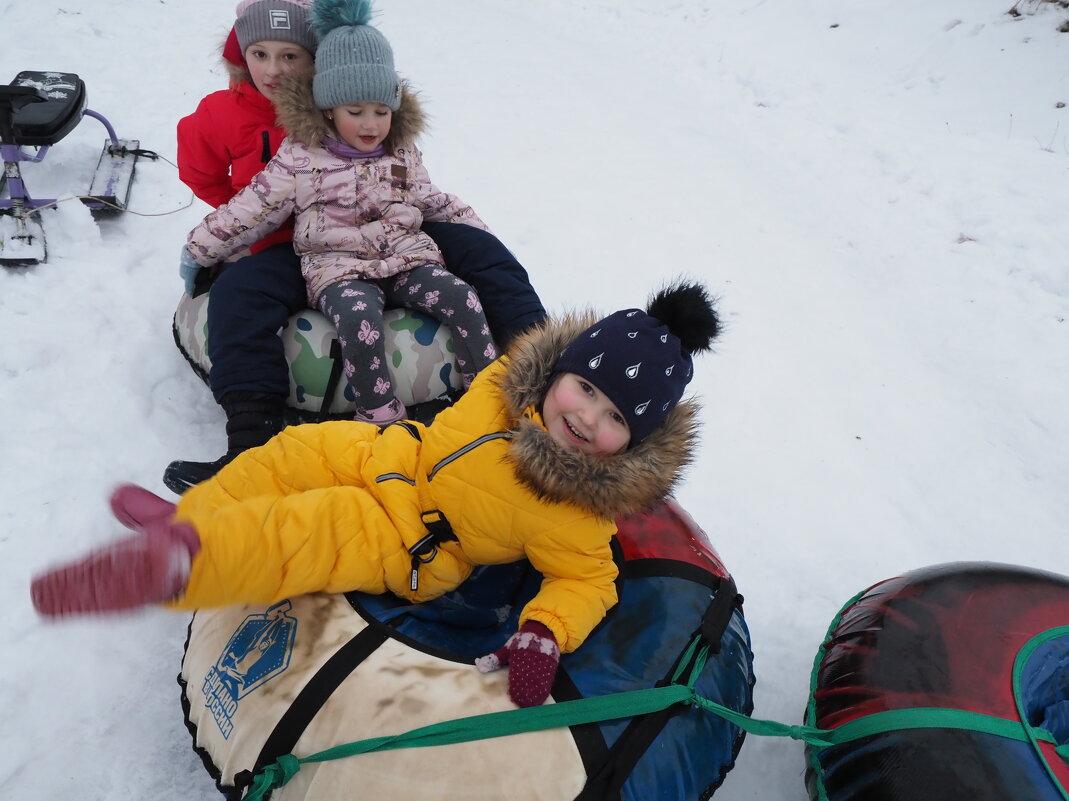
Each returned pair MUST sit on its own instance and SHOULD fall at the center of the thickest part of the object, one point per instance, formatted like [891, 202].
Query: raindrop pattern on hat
[637, 362]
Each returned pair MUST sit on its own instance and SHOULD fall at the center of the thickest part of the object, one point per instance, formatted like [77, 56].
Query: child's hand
[532, 656]
[188, 270]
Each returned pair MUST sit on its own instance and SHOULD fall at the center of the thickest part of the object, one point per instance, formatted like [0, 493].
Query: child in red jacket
[221, 146]
[233, 134]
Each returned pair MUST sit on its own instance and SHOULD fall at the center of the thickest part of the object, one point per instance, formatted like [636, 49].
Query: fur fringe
[609, 486]
[305, 123]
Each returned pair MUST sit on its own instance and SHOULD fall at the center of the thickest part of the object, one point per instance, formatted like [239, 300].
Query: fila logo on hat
[279, 19]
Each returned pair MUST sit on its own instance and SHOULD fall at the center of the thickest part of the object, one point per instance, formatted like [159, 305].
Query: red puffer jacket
[225, 143]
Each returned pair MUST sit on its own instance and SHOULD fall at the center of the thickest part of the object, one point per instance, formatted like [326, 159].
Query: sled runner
[38, 109]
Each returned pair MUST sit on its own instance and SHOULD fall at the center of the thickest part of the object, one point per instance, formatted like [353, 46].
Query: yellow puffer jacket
[335, 506]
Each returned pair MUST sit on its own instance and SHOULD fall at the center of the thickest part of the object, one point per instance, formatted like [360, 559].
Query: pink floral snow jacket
[354, 217]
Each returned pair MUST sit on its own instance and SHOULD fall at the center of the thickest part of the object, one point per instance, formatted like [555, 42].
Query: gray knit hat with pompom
[354, 62]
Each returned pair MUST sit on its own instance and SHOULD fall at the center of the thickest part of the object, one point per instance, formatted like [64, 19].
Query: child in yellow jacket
[580, 423]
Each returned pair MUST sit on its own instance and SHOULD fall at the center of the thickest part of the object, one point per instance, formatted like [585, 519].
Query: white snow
[876, 191]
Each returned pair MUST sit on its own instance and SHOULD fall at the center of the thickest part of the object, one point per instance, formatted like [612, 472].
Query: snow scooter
[38, 109]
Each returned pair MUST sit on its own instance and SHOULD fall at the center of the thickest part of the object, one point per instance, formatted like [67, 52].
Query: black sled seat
[37, 110]
[40, 108]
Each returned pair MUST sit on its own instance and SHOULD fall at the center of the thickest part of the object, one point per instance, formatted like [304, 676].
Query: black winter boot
[252, 418]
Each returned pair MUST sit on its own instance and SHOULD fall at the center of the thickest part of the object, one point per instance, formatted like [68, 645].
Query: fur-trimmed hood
[609, 486]
[304, 123]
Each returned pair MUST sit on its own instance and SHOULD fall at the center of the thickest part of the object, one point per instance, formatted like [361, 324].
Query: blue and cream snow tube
[320, 671]
[419, 351]
[955, 682]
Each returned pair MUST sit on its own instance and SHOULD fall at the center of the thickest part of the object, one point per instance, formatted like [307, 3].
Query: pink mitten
[532, 655]
[147, 567]
[134, 506]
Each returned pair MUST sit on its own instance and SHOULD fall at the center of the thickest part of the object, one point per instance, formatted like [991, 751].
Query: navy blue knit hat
[642, 359]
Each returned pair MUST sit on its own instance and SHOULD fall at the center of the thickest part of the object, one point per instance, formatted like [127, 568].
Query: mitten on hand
[188, 270]
[532, 656]
[136, 507]
[150, 566]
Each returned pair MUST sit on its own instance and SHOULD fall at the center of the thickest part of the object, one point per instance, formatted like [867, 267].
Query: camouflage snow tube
[320, 671]
[419, 351]
[955, 681]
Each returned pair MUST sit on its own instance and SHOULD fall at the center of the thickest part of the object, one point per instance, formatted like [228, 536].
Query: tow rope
[680, 690]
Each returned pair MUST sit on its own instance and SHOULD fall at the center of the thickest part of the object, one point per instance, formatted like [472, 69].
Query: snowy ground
[876, 191]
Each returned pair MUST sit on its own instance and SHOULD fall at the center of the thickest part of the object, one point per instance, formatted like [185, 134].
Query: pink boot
[148, 567]
[383, 415]
[135, 507]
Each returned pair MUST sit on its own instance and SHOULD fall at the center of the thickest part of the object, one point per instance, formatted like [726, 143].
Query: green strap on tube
[482, 727]
[1033, 733]
[655, 699]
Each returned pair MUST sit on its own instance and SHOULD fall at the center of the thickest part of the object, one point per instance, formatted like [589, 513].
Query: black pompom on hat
[642, 359]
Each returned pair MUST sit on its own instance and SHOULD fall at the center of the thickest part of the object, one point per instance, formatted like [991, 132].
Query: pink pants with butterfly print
[355, 307]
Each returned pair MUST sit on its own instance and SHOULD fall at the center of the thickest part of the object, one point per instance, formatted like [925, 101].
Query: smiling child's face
[362, 125]
[578, 415]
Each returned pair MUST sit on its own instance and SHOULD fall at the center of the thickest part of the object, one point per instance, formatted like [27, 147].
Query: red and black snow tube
[956, 680]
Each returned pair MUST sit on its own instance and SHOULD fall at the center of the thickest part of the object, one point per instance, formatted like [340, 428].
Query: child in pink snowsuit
[357, 189]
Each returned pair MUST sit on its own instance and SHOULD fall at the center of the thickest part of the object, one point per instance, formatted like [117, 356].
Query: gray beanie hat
[274, 20]
[354, 64]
